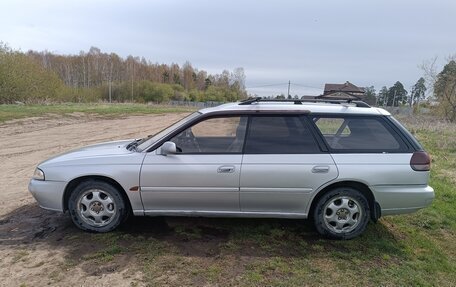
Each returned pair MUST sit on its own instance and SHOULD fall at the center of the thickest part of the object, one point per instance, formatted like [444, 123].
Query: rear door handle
[226, 169]
[320, 169]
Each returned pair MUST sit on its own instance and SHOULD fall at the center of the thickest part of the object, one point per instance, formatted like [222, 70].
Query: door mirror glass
[168, 148]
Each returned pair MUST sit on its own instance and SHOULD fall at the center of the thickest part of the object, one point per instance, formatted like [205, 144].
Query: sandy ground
[27, 255]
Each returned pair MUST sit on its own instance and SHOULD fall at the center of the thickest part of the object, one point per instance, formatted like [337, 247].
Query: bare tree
[429, 68]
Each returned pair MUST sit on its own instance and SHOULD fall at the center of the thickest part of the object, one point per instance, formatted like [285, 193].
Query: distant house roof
[347, 87]
[308, 97]
[339, 96]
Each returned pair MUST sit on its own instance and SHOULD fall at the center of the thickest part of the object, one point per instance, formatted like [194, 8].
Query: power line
[284, 84]
[268, 85]
[305, 86]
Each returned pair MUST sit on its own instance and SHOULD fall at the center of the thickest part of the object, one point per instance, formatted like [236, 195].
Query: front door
[203, 175]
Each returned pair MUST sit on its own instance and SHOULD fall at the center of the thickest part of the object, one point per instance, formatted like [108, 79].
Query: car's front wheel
[97, 206]
[342, 213]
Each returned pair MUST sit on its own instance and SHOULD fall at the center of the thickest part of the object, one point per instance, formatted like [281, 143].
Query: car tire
[97, 206]
[342, 213]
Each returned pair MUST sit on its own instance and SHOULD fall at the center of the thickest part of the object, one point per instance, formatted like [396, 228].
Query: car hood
[96, 151]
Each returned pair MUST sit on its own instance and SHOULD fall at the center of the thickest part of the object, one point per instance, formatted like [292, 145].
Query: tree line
[37, 77]
[438, 88]
[34, 77]
[397, 95]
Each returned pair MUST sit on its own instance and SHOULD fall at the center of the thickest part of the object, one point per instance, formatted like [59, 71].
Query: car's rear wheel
[97, 206]
[342, 213]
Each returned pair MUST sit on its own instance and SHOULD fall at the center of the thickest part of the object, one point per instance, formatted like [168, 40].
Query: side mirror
[168, 148]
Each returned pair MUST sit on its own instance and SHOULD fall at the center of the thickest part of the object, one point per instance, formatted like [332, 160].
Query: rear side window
[359, 134]
[279, 135]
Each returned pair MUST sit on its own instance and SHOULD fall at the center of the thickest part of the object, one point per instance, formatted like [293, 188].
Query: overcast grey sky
[308, 42]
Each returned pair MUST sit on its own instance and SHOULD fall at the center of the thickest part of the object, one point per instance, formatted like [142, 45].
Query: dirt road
[25, 257]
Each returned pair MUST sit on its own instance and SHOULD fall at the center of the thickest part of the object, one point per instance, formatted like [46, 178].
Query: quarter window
[358, 134]
[279, 135]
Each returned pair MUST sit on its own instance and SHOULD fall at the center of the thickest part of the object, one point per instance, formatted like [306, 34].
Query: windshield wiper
[133, 145]
[137, 142]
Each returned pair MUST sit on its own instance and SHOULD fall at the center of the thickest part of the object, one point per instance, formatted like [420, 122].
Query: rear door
[370, 150]
[282, 165]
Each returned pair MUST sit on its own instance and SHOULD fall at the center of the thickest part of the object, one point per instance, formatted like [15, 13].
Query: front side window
[358, 134]
[149, 140]
[213, 135]
[279, 135]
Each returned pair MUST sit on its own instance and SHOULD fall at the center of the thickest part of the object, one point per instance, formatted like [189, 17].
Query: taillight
[421, 161]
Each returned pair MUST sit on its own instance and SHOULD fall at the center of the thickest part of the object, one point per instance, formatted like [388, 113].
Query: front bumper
[400, 199]
[49, 194]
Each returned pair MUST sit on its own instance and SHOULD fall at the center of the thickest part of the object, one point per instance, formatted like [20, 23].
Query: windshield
[149, 140]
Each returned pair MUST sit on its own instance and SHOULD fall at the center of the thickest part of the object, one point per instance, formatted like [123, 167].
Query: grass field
[10, 112]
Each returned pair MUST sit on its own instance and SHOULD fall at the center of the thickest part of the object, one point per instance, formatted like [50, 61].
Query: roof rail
[250, 100]
[359, 104]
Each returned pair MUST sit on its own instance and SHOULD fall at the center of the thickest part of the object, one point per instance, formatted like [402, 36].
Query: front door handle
[226, 169]
[320, 169]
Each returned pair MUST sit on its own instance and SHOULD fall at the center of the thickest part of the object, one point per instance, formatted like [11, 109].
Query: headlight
[38, 174]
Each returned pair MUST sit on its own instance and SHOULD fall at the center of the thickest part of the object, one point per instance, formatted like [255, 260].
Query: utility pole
[289, 82]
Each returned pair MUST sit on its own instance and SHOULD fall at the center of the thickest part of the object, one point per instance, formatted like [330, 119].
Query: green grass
[10, 112]
[104, 255]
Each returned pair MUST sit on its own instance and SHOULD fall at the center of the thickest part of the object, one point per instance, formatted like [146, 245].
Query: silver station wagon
[339, 163]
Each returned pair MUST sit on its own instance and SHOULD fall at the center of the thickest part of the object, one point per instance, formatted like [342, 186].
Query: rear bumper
[49, 194]
[400, 199]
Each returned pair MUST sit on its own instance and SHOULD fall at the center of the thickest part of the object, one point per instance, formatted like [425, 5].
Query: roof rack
[252, 100]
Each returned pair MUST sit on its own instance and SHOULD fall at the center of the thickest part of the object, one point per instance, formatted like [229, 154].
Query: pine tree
[418, 91]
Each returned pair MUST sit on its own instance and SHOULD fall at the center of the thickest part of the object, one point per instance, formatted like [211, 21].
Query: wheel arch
[76, 181]
[361, 187]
